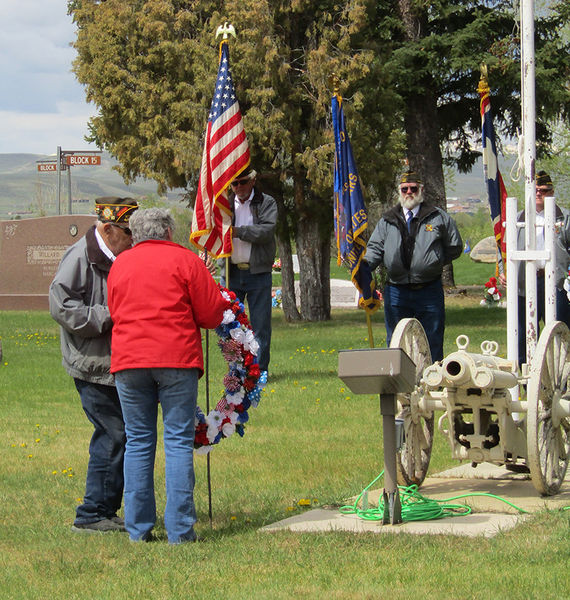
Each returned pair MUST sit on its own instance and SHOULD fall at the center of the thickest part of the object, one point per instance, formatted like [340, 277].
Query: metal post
[69, 204]
[390, 495]
[550, 268]
[512, 288]
[529, 136]
[58, 184]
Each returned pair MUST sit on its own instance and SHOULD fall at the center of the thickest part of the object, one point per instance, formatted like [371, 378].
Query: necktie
[409, 218]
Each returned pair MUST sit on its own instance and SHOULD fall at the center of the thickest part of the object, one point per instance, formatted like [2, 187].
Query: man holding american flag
[251, 262]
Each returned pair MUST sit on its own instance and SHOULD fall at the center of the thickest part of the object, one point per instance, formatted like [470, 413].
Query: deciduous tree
[150, 67]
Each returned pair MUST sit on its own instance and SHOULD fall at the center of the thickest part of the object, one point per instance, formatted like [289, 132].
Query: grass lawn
[309, 439]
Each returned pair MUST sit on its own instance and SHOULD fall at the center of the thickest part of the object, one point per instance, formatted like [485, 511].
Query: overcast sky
[42, 106]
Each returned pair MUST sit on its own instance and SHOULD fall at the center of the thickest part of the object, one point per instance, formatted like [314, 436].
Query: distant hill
[25, 191]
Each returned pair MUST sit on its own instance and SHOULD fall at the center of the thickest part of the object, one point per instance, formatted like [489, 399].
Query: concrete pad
[486, 478]
[323, 520]
[489, 515]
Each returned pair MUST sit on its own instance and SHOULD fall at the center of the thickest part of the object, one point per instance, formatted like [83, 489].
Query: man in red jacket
[160, 295]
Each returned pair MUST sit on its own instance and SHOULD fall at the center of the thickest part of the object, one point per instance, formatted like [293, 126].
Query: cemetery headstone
[30, 252]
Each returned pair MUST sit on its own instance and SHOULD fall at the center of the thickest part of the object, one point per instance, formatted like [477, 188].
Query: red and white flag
[225, 156]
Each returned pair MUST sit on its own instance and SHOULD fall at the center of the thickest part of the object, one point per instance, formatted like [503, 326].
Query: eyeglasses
[543, 191]
[243, 181]
[125, 229]
[412, 188]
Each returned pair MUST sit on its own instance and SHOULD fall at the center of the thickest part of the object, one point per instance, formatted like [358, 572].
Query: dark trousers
[104, 483]
[256, 289]
[562, 314]
[425, 304]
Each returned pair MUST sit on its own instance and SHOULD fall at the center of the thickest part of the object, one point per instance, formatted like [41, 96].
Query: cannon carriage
[480, 419]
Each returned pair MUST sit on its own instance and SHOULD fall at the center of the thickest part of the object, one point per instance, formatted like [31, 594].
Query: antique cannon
[480, 420]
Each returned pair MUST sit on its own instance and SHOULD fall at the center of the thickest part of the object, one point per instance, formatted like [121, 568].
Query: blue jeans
[257, 290]
[426, 304]
[140, 391]
[104, 483]
[562, 314]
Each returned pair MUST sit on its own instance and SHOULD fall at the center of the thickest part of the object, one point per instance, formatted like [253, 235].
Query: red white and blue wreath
[241, 390]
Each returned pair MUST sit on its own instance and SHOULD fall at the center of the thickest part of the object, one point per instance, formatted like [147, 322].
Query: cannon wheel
[412, 461]
[548, 431]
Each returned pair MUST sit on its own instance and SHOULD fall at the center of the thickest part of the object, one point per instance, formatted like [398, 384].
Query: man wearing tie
[414, 241]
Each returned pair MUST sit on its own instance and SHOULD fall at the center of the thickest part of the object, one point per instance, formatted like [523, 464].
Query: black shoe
[118, 520]
[102, 526]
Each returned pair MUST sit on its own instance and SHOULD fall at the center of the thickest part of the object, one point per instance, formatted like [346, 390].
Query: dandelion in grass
[54, 472]
[23, 445]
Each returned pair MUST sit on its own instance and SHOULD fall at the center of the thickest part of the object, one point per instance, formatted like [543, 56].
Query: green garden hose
[416, 507]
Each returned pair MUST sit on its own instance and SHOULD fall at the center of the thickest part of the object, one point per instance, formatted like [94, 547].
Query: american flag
[496, 190]
[225, 156]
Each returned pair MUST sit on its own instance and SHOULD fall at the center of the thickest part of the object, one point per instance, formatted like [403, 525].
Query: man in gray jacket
[78, 302]
[414, 241]
[251, 262]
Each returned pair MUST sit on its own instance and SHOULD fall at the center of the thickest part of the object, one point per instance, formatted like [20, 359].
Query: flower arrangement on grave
[241, 389]
[277, 265]
[492, 294]
[276, 298]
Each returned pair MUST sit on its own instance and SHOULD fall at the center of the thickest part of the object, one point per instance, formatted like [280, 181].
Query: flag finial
[483, 83]
[335, 83]
[225, 30]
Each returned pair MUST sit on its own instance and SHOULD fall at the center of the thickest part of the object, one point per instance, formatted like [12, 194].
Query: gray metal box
[377, 370]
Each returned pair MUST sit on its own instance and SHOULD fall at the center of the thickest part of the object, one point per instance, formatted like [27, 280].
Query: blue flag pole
[351, 217]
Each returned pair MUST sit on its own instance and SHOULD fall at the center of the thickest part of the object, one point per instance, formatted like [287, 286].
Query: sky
[42, 106]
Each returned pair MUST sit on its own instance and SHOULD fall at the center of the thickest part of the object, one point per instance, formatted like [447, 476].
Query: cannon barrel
[464, 369]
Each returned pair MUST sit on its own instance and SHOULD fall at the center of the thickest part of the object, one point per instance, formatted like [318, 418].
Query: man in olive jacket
[414, 241]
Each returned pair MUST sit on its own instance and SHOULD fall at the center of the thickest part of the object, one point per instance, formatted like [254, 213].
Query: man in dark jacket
[414, 241]
[78, 302]
[251, 262]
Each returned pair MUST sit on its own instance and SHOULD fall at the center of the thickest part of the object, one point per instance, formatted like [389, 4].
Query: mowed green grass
[309, 439]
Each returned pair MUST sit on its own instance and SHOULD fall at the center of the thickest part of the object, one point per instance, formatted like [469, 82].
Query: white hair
[151, 224]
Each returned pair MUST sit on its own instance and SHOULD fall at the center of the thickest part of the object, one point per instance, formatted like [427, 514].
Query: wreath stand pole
[208, 471]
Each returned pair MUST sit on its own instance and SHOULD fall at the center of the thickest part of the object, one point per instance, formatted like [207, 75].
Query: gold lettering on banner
[358, 218]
